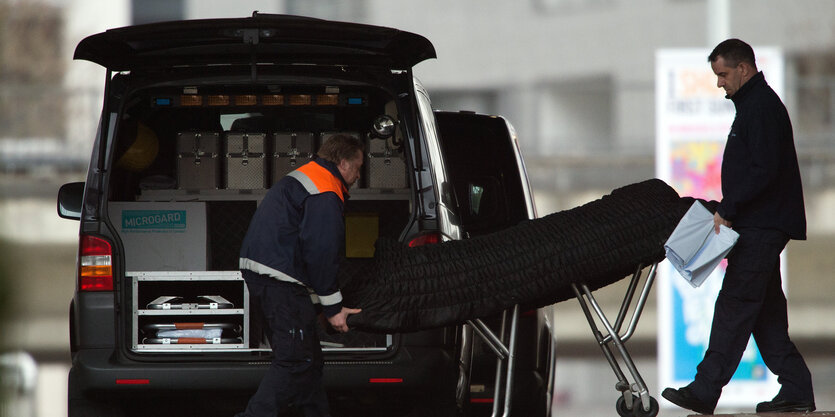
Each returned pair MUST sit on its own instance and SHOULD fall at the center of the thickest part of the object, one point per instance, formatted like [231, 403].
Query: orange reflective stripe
[188, 326]
[192, 341]
[322, 179]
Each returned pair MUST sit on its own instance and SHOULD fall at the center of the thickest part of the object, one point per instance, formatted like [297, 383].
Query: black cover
[532, 264]
[228, 222]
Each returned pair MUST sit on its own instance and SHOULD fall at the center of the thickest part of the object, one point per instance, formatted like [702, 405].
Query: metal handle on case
[197, 151]
[245, 149]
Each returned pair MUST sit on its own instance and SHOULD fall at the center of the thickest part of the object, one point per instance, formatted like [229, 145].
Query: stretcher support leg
[504, 346]
[634, 395]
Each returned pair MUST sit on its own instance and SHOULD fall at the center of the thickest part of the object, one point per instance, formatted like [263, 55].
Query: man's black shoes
[781, 405]
[684, 398]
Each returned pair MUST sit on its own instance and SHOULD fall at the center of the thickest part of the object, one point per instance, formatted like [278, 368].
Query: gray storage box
[244, 164]
[197, 160]
[290, 151]
[386, 166]
[161, 236]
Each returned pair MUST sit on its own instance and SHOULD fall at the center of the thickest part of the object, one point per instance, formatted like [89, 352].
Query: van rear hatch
[260, 39]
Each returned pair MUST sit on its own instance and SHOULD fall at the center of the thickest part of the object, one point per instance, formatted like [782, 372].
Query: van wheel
[87, 408]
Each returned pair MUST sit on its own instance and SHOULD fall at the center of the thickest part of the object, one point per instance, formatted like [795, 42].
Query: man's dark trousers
[752, 302]
[295, 374]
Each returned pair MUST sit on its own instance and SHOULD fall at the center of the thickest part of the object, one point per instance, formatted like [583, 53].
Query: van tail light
[95, 271]
[426, 239]
[385, 380]
[133, 381]
[481, 400]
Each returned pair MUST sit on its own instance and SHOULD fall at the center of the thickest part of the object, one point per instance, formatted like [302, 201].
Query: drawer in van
[191, 333]
[201, 302]
[173, 313]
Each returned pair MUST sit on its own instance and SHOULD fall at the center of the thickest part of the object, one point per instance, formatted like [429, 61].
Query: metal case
[290, 151]
[386, 165]
[197, 160]
[244, 164]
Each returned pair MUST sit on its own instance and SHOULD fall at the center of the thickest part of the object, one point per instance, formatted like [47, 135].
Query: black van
[199, 118]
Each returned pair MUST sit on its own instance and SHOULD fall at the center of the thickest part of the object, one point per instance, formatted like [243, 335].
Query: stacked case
[290, 151]
[197, 160]
[247, 156]
[386, 165]
[245, 163]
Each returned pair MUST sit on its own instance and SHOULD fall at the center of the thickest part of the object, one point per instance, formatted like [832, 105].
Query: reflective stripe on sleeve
[249, 264]
[306, 182]
[329, 300]
[326, 300]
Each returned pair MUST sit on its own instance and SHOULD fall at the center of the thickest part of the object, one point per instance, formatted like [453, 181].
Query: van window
[482, 167]
[228, 120]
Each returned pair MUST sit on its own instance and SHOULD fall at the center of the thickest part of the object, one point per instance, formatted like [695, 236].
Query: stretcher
[633, 398]
[203, 302]
[191, 333]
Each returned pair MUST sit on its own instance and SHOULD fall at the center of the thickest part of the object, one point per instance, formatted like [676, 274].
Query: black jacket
[760, 176]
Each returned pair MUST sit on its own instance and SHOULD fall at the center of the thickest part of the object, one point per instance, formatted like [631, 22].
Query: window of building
[346, 11]
[31, 71]
[814, 115]
[150, 11]
[575, 117]
[561, 5]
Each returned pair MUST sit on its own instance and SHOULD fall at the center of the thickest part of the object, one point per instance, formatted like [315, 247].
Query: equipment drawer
[171, 311]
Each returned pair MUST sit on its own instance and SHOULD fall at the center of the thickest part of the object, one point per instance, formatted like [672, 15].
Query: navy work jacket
[297, 232]
[761, 185]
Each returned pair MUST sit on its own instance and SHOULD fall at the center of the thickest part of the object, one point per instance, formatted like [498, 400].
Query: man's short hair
[339, 147]
[733, 51]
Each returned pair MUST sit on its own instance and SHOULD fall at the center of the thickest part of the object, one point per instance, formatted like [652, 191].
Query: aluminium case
[386, 165]
[244, 162]
[290, 151]
[198, 165]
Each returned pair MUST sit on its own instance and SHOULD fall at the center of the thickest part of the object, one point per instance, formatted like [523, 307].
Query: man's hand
[339, 321]
[718, 220]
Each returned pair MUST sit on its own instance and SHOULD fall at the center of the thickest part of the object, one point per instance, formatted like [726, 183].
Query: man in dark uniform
[762, 199]
[289, 259]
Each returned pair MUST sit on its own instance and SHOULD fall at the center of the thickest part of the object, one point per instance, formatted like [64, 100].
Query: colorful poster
[693, 119]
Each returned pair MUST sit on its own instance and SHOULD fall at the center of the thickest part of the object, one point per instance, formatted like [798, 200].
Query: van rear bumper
[96, 371]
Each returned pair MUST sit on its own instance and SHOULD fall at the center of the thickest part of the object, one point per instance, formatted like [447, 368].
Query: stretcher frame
[634, 399]
[504, 347]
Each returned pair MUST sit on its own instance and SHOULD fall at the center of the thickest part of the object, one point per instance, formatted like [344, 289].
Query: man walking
[762, 199]
[289, 259]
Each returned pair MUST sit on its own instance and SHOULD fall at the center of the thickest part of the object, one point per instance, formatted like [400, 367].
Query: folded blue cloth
[694, 248]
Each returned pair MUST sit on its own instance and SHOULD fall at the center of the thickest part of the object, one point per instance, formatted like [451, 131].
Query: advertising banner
[693, 119]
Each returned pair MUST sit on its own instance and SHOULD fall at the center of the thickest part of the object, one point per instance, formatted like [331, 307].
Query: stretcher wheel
[623, 411]
[638, 409]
